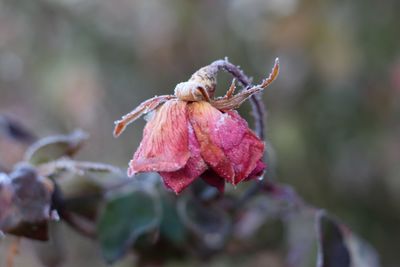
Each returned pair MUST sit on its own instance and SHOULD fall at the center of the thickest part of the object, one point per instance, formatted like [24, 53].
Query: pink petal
[227, 144]
[257, 172]
[213, 179]
[203, 116]
[165, 141]
[179, 180]
[246, 151]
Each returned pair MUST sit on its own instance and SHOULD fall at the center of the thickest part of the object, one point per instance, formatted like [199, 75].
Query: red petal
[203, 118]
[247, 152]
[227, 144]
[257, 172]
[195, 166]
[213, 179]
[165, 141]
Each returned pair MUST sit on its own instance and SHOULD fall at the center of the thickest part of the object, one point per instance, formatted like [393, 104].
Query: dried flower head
[193, 134]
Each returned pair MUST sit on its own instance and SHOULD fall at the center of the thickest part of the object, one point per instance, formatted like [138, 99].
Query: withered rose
[191, 134]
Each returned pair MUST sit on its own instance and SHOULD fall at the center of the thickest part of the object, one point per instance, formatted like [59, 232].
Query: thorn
[231, 90]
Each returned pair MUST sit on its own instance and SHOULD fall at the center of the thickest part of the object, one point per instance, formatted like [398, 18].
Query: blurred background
[333, 114]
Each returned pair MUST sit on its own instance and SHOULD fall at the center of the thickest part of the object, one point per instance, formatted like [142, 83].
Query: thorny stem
[256, 102]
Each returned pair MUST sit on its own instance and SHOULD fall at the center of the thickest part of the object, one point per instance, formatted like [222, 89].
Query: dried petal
[144, 108]
[246, 153]
[227, 144]
[195, 166]
[204, 118]
[165, 141]
[258, 171]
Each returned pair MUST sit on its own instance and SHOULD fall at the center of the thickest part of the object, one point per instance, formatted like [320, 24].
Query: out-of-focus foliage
[333, 112]
[127, 215]
[51, 148]
[125, 218]
[25, 203]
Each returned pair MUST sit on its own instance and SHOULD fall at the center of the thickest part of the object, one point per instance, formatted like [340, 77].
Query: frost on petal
[242, 146]
[203, 118]
[164, 146]
[227, 143]
[195, 166]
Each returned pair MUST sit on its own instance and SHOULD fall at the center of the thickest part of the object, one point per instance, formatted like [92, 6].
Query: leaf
[322, 241]
[339, 247]
[333, 250]
[14, 141]
[16, 131]
[125, 217]
[209, 224]
[76, 177]
[171, 225]
[25, 202]
[83, 183]
[54, 147]
[302, 238]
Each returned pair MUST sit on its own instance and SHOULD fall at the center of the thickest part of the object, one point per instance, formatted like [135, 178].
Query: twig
[13, 251]
[275, 190]
[78, 223]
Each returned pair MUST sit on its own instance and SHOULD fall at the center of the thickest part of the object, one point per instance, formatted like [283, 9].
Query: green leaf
[171, 227]
[126, 217]
[55, 147]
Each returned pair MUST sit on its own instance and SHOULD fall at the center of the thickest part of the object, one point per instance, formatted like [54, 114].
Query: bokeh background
[333, 114]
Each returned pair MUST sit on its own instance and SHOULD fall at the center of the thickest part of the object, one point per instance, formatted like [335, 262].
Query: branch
[78, 223]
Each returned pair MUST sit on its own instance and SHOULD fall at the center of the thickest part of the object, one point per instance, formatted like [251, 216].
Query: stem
[78, 223]
[275, 190]
[255, 100]
[13, 251]
[83, 226]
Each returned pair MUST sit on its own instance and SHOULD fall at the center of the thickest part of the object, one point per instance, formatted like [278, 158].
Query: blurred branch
[13, 251]
[80, 224]
[274, 190]
[65, 164]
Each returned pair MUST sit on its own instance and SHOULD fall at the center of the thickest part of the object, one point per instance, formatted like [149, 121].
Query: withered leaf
[54, 147]
[25, 203]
